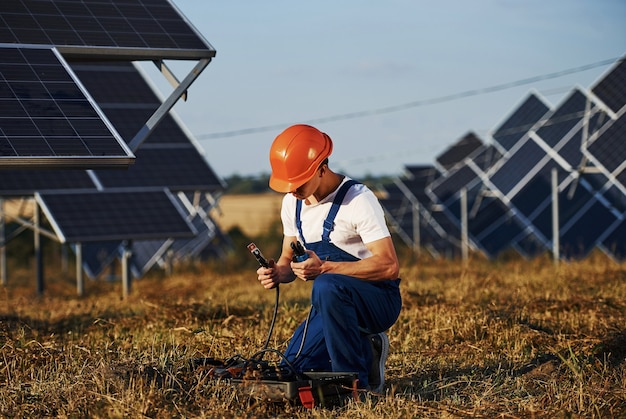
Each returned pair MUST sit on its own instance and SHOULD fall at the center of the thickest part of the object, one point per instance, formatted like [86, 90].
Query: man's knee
[326, 288]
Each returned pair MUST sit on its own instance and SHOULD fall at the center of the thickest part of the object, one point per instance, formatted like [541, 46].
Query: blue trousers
[344, 311]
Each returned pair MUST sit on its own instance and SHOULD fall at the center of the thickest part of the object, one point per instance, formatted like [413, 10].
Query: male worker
[351, 258]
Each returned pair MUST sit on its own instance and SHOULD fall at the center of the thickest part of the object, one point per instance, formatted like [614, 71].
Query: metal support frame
[38, 250]
[3, 245]
[167, 105]
[169, 76]
[80, 282]
[416, 228]
[555, 217]
[126, 273]
[464, 226]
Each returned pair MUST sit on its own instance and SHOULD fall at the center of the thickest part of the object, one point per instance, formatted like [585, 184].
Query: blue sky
[285, 62]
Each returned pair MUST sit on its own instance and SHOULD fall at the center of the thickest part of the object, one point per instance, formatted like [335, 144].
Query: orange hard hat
[295, 156]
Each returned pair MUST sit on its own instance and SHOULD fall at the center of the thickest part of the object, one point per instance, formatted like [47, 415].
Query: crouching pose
[351, 259]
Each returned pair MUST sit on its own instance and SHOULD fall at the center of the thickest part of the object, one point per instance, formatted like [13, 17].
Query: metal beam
[464, 226]
[167, 105]
[169, 76]
[3, 245]
[80, 281]
[38, 250]
[555, 217]
[126, 273]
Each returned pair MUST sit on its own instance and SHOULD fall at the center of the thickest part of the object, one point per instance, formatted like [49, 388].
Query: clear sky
[393, 82]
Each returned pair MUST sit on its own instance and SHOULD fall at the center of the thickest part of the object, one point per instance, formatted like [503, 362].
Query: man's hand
[276, 273]
[309, 269]
[268, 277]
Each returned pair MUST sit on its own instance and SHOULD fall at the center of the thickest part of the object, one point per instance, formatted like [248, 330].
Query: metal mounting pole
[3, 245]
[555, 217]
[416, 229]
[38, 250]
[464, 228]
[80, 282]
[126, 274]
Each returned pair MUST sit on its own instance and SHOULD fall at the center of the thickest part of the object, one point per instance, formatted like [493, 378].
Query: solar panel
[97, 256]
[510, 173]
[608, 149]
[137, 29]
[485, 212]
[582, 234]
[404, 197]
[168, 157]
[563, 119]
[612, 88]
[459, 151]
[613, 243]
[523, 118]
[47, 118]
[114, 215]
[26, 182]
[446, 189]
[494, 227]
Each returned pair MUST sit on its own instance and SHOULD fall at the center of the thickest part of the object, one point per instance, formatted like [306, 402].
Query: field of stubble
[510, 338]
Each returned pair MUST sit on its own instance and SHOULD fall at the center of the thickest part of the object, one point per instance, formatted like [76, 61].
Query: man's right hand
[268, 277]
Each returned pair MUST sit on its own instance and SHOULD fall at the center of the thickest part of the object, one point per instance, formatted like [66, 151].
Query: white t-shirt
[359, 220]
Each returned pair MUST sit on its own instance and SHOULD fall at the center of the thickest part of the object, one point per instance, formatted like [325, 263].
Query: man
[351, 257]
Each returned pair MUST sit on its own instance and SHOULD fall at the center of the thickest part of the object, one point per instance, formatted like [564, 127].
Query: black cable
[269, 335]
[304, 332]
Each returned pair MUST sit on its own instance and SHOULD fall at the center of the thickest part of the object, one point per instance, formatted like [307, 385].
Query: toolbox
[315, 388]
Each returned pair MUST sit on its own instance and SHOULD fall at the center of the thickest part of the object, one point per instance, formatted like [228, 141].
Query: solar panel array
[508, 182]
[71, 72]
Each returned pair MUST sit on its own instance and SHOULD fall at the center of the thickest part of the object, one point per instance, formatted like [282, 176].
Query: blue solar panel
[612, 88]
[47, 119]
[509, 174]
[459, 151]
[114, 215]
[147, 29]
[564, 119]
[511, 131]
[582, 235]
[613, 243]
[608, 149]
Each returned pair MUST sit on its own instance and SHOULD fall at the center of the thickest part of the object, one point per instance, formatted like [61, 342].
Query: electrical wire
[416, 103]
[269, 335]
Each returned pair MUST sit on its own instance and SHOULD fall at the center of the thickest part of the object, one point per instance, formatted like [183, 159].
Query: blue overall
[344, 311]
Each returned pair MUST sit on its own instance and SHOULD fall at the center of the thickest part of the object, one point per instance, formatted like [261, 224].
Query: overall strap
[299, 221]
[329, 222]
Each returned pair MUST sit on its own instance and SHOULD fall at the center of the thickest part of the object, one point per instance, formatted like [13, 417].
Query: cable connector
[299, 254]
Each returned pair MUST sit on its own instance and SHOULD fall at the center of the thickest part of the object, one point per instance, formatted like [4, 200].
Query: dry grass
[511, 338]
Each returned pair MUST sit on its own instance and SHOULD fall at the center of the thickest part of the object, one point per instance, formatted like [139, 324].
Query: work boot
[380, 351]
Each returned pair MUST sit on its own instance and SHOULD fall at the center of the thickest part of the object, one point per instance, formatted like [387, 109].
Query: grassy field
[510, 338]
